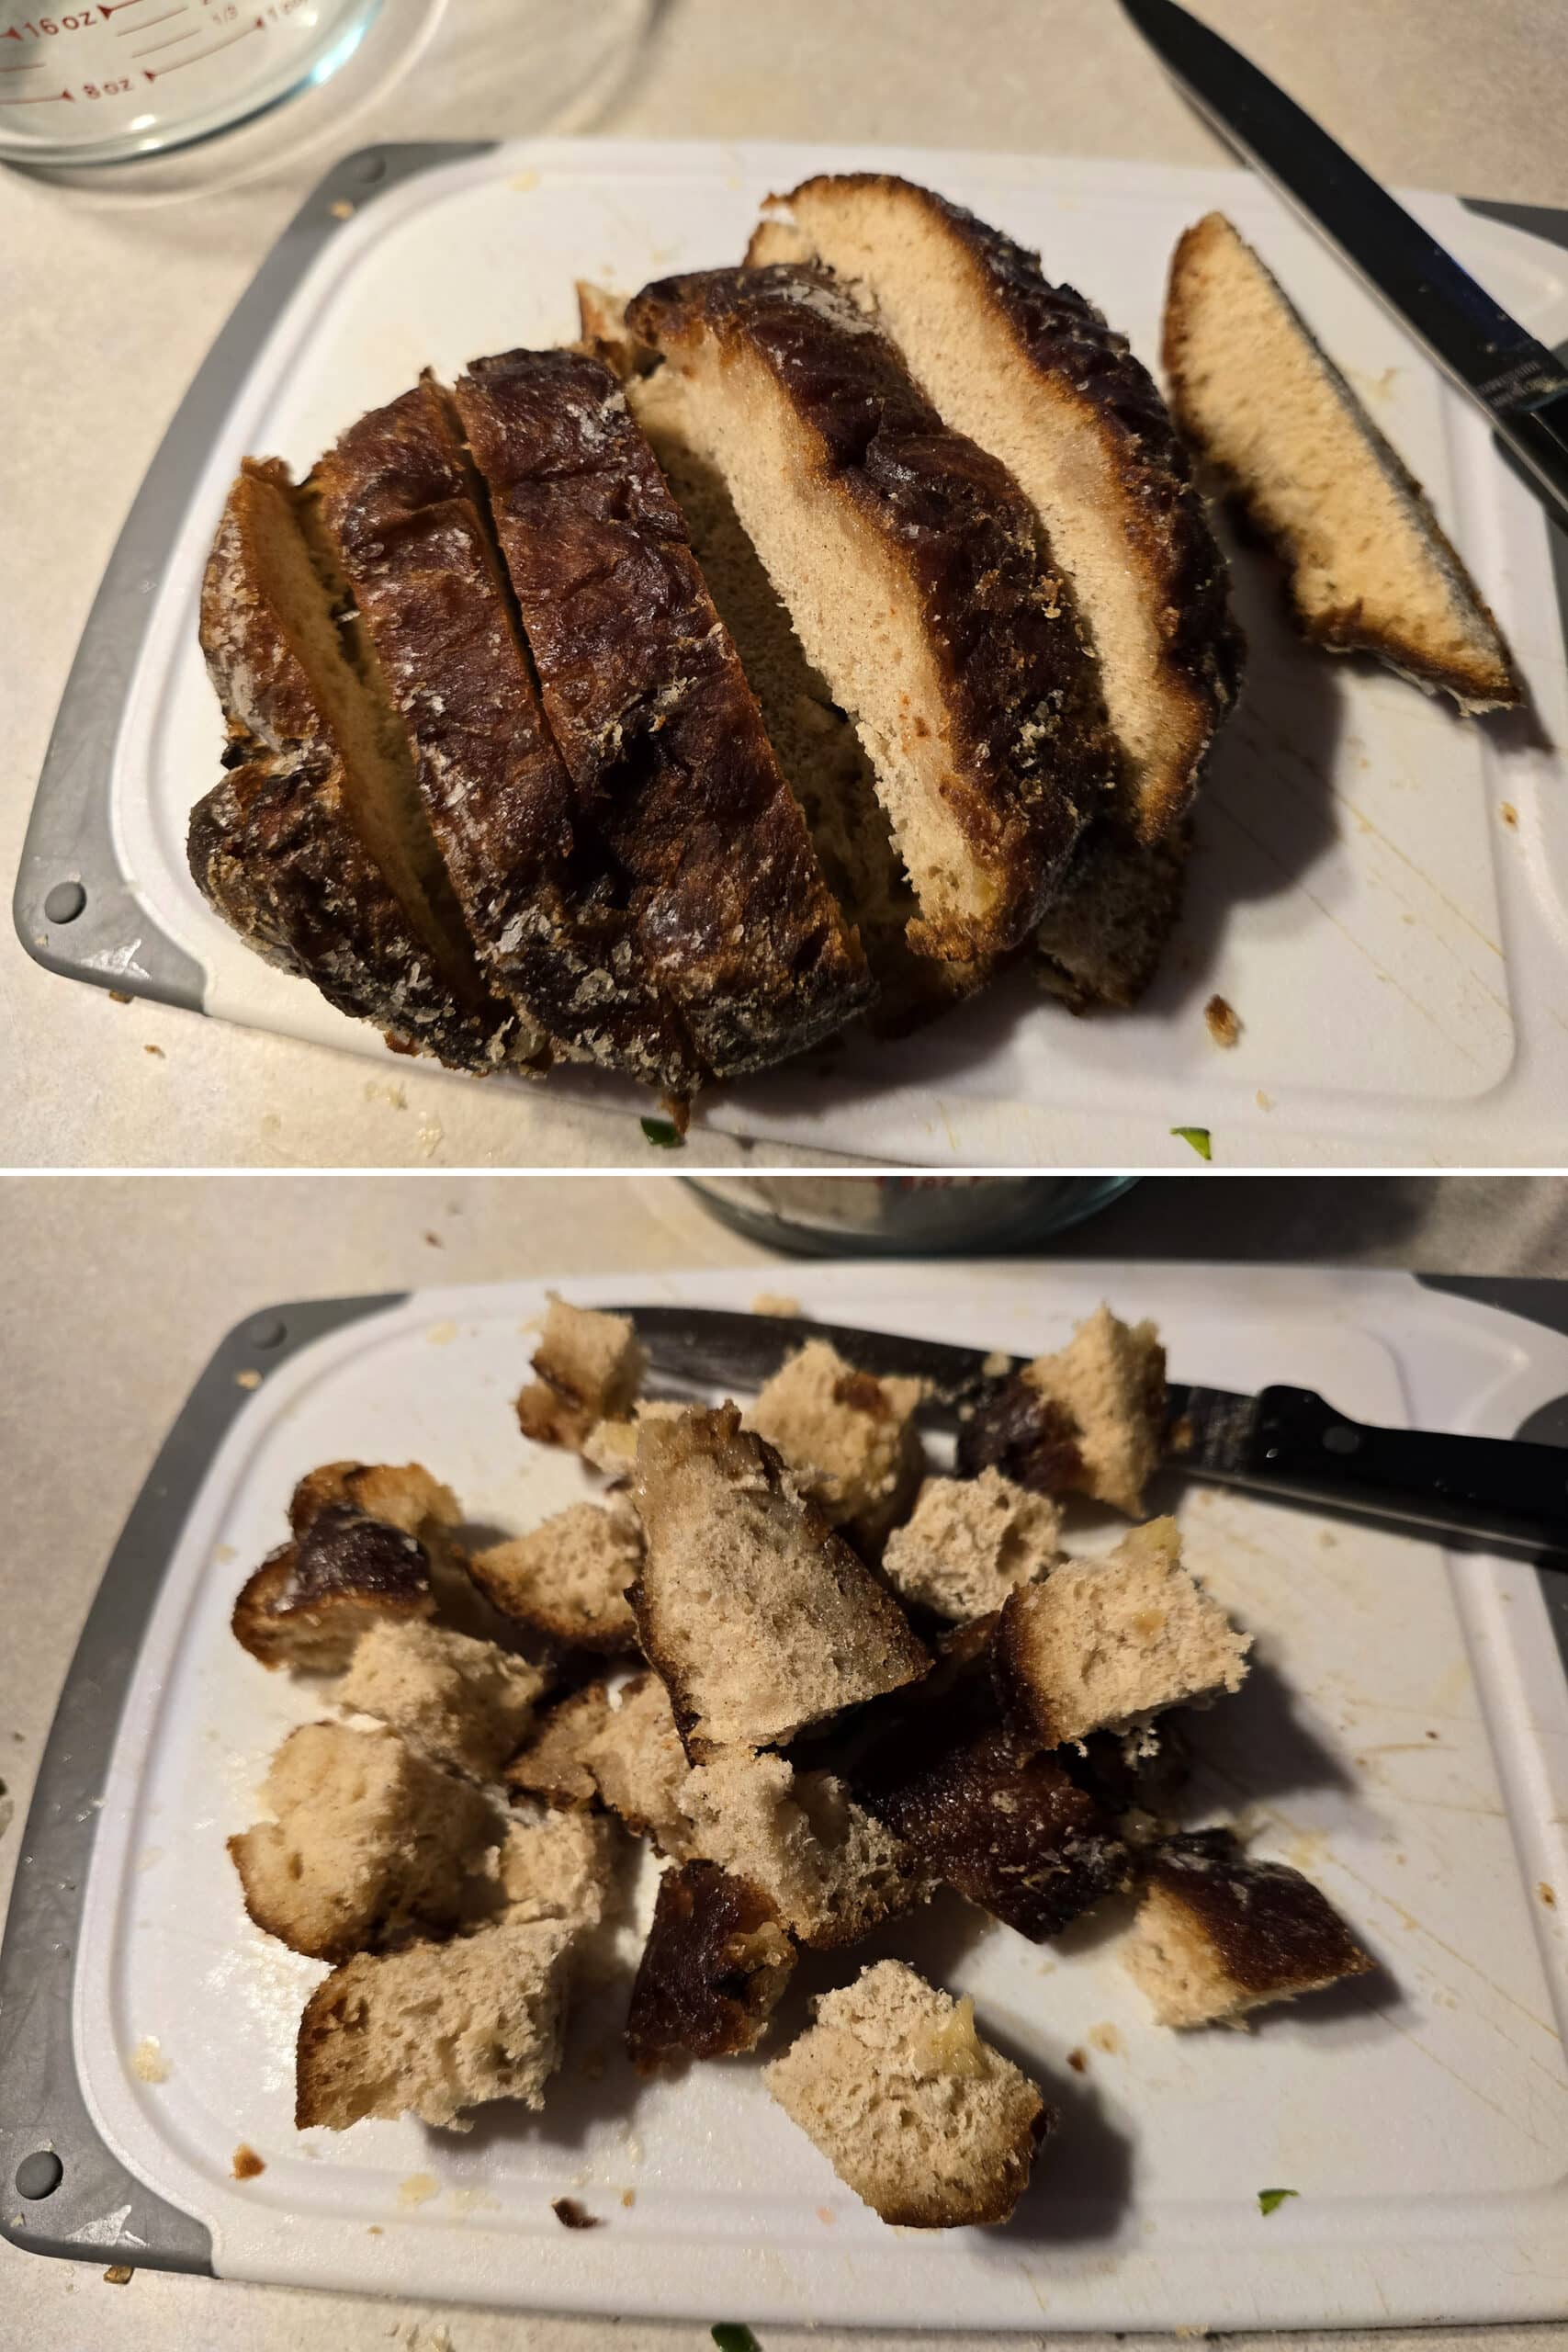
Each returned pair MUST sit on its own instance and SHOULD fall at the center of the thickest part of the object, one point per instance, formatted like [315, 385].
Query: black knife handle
[1477, 1486]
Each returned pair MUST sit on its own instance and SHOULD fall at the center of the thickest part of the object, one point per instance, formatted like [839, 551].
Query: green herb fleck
[730, 2335]
[1270, 2200]
[663, 1133]
[1198, 1139]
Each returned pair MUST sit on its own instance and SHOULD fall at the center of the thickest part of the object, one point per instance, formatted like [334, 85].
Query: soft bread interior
[380, 791]
[850, 605]
[932, 297]
[1369, 566]
[817, 747]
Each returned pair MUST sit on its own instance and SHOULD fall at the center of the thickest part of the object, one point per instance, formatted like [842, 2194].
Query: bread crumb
[573, 2216]
[628, 2197]
[148, 2063]
[433, 1241]
[119, 995]
[826, 2213]
[776, 1301]
[997, 1366]
[155, 1049]
[1547, 1894]
[1107, 2038]
[418, 2188]
[1225, 1024]
[1079, 2061]
[524, 182]
[441, 1334]
[342, 210]
[375, 2230]
[118, 2274]
[247, 1380]
[1264, 1101]
[247, 2164]
[1510, 814]
[222, 1556]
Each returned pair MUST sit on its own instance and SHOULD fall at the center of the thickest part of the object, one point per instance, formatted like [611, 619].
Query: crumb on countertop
[247, 2164]
[1225, 1022]
[571, 2215]
[1079, 2061]
[1547, 1892]
[1510, 814]
[118, 2274]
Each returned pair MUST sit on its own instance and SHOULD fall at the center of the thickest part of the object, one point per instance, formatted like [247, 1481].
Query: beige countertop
[119, 1288]
[111, 292]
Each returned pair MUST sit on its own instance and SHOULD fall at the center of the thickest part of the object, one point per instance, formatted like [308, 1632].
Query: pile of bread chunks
[820, 1683]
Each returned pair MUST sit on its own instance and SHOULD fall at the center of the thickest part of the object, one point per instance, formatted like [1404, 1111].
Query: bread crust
[310, 1600]
[273, 848]
[720, 948]
[1079, 359]
[1475, 684]
[1029, 756]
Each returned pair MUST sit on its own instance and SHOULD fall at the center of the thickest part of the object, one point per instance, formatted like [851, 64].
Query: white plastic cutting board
[1404, 1737]
[1381, 888]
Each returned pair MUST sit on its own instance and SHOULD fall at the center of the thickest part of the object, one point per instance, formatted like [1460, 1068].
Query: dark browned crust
[1269, 1928]
[398, 505]
[551, 1766]
[273, 846]
[1019, 1836]
[1030, 1438]
[308, 1602]
[1474, 687]
[1082, 359]
[1002, 631]
[721, 949]
[330, 2011]
[714, 1965]
[750, 1461]
[1102, 941]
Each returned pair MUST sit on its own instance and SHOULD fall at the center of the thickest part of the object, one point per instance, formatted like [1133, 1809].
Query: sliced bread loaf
[316, 844]
[931, 2126]
[909, 563]
[723, 950]
[1368, 570]
[759, 1618]
[1033, 374]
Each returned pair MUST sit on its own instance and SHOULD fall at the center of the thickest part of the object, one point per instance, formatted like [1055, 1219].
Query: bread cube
[1218, 1934]
[588, 1367]
[714, 1967]
[849, 1439]
[566, 1579]
[463, 1703]
[969, 1542]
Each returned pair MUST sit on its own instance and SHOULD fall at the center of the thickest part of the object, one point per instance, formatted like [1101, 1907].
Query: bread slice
[1107, 1645]
[1102, 941]
[1089, 1420]
[436, 2029]
[552, 1763]
[566, 1579]
[759, 1618]
[399, 510]
[462, 1703]
[908, 561]
[1033, 374]
[316, 844]
[557, 1866]
[712, 1972]
[1218, 1934]
[723, 950]
[369, 1839]
[850, 1440]
[1368, 567]
[831, 1871]
[817, 748]
[589, 1366]
[1022, 1836]
[931, 2126]
[970, 1543]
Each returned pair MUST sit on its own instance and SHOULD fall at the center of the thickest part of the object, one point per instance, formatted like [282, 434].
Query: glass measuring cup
[101, 84]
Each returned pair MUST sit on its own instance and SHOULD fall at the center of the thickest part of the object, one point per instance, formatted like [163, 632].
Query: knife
[1521, 385]
[1285, 1444]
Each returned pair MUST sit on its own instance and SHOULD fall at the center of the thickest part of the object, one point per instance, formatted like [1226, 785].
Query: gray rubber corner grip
[75, 910]
[61, 2191]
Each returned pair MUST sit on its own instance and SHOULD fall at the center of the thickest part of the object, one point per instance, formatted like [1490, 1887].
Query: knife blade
[1286, 1444]
[1514, 377]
